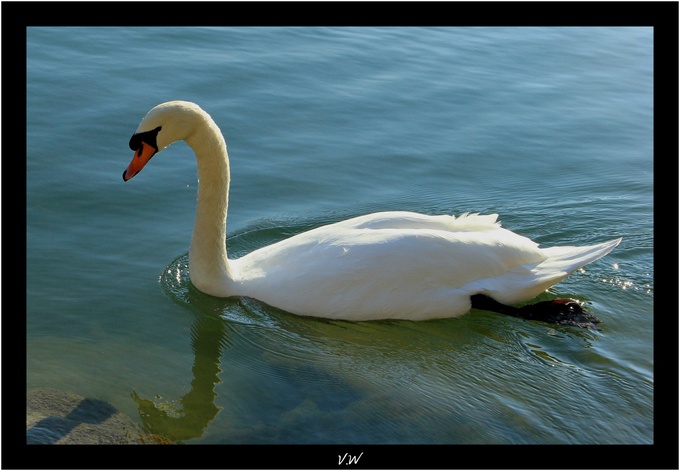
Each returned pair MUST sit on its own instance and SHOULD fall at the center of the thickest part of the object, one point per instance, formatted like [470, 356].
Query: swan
[384, 265]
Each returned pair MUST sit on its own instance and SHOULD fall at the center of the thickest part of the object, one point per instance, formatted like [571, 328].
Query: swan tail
[528, 281]
[567, 259]
[562, 261]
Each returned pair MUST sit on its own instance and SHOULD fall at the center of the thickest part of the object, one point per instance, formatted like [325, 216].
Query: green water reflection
[197, 408]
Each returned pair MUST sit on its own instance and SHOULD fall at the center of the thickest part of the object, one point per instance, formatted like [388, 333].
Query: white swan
[397, 265]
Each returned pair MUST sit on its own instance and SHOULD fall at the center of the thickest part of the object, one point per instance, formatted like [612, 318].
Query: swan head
[163, 124]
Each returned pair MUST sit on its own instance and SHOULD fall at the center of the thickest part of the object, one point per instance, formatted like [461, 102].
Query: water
[551, 128]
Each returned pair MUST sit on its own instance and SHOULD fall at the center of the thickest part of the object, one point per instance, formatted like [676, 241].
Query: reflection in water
[198, 408]
[378, 382]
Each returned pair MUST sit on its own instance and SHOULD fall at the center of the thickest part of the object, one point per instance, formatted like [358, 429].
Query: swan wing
[385, 265]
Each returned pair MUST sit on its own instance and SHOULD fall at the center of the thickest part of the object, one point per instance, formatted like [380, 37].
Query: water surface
[551, 128]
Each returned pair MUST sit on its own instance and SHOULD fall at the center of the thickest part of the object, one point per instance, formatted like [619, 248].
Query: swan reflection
[197, 408]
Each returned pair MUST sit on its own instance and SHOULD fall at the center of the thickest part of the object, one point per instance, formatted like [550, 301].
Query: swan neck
[208, 262]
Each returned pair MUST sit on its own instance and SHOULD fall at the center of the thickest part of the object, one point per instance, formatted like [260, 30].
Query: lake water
[551, 128]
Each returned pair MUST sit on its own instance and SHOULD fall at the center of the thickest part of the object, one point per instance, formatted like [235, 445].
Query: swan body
[385, 265]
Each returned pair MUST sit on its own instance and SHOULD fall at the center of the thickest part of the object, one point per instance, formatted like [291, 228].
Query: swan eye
[148, 136]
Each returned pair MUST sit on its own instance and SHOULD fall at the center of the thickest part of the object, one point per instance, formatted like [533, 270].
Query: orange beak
[139, 160]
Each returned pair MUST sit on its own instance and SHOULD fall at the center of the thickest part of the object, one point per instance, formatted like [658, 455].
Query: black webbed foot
[559, 311]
